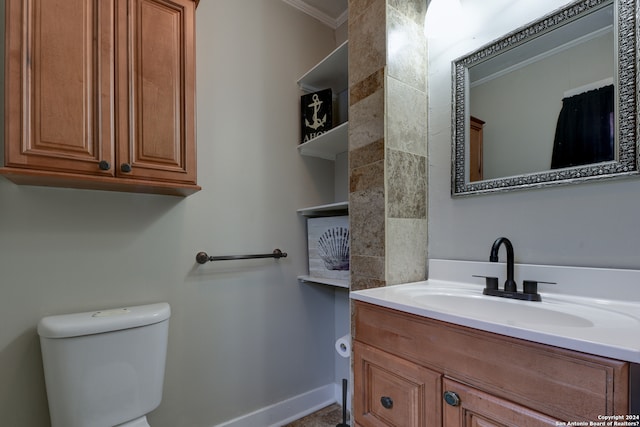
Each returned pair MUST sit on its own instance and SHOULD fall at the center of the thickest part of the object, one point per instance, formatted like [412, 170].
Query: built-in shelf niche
[331, 72]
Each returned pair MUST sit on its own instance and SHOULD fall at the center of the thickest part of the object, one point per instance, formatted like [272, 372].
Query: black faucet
[509, 284]
[530, 287]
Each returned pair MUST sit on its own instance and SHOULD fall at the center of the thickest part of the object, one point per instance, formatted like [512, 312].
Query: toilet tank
[104, 368]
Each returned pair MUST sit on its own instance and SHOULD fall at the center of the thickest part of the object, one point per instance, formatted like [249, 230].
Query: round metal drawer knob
[451, 398]
[387, 402]
[104, 165]
[125, 167]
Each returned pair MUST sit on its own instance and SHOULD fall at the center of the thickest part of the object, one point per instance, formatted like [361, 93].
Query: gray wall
[593, 224]
[243, 334]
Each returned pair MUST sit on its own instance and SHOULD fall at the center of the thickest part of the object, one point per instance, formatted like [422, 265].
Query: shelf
[328, 145]
[331, 72]
[331, 282]
[331, 209]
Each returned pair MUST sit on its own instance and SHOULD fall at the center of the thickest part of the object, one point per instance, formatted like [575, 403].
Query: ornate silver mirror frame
[626, 160]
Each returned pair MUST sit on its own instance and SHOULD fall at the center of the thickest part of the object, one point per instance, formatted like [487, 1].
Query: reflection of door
[475, 149]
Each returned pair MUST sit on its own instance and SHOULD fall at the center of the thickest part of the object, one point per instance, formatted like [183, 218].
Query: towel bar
[202, 257]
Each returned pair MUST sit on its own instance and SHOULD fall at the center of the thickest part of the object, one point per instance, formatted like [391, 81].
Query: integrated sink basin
[510, 312]
[590, 323]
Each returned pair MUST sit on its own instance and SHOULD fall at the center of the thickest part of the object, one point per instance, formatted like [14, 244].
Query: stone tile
[413, 9]
[367, 177]
[357, 7]
[366, 87]
[367, 46]
[406, 185]
[371, 153]
[359, 283]
[406, 118]
[366, 222]
[406, 250]
[368, 266]
[366, 120]
[406, 50]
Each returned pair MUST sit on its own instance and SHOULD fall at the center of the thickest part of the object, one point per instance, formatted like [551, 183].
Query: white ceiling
[330, 12]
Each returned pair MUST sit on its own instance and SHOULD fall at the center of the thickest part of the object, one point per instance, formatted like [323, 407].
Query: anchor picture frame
[316, 114]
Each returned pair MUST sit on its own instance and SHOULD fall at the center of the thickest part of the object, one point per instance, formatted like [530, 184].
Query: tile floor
[325, 417]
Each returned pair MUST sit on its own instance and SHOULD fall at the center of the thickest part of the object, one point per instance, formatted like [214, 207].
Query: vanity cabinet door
[464, 406]
[390, 391]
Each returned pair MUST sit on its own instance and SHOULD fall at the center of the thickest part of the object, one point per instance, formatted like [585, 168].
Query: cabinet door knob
[387, 402]
[451, 398]
[104, 165]
[125, 167]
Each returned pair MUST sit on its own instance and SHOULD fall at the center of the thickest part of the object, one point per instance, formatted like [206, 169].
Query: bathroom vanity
[419, 365]
[408, 371]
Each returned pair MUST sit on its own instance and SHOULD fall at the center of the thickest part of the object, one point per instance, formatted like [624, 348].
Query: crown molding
[342, 18]
[319, 15]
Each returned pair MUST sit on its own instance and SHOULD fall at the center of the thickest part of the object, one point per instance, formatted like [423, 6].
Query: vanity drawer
[561, 383]
[390, 391]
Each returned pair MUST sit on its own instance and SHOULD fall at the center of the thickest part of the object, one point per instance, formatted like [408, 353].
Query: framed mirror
[554, 102]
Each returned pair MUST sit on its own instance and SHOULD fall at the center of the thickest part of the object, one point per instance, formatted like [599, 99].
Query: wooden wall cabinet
[439, 374]
[101, 94]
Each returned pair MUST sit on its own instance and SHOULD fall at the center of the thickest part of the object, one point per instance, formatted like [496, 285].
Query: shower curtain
[585, 129]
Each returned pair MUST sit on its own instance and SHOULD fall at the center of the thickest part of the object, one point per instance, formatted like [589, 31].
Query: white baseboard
[288, 410]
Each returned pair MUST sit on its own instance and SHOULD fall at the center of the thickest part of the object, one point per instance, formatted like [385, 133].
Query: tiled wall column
[387, 142]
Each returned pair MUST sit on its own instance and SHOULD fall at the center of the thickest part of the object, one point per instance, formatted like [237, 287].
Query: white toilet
[105, 368]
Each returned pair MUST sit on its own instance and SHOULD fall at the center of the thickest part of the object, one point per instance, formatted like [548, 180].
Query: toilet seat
[138, 422]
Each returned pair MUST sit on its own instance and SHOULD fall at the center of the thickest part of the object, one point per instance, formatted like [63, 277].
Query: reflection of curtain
[584, 133]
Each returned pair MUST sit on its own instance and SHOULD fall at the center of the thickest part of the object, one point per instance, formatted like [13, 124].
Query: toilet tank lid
[96, 322]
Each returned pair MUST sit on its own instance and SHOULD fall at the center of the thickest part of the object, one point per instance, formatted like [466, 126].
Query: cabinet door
[156, 90]
[467, 407]
[60, 85]
[390, 391]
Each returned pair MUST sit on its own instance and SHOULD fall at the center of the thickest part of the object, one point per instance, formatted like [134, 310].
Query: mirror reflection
[542, 105]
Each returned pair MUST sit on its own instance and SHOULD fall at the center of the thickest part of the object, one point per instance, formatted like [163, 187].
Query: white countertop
[595, 311]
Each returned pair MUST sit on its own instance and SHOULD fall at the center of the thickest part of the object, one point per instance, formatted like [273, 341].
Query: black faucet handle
[531, 286]
[490, 281]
